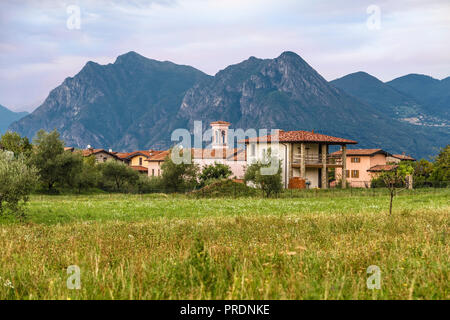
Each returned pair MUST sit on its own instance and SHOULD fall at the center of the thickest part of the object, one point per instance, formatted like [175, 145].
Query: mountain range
[136, 103]
[7, 117]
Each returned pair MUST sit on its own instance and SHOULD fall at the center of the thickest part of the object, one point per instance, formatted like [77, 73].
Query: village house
[155, 161]
[365, 164]
[304, 155]
[137, 160]
[101, 155]
[396, 158]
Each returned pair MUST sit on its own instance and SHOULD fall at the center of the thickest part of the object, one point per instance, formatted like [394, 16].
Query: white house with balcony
[304, 155]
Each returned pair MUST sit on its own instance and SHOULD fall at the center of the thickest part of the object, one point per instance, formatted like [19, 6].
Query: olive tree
[17, 181]
[396, 180]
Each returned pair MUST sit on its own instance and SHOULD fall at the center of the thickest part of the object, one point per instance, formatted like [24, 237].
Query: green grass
[175, 247]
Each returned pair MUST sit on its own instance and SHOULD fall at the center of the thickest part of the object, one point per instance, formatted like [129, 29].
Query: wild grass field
[317, 246]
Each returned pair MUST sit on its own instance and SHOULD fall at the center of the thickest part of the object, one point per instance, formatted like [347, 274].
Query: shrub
[225, 188]
[213, 172]
[146, 184]
[17, 182]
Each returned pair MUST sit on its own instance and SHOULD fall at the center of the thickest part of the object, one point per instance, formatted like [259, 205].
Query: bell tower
[220, 134]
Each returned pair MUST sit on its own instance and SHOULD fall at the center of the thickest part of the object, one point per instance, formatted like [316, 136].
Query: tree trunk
[390, 204]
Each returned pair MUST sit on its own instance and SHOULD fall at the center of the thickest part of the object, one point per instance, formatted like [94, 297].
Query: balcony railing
[317, 159]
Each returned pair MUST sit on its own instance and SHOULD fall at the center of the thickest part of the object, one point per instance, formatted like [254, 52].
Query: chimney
[89, 147]
[110, 151]
[312, 131]
[403, 153]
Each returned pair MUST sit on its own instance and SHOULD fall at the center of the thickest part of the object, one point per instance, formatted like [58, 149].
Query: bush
[224, 188]
[214, 172]
[146, 184]
[268, 183]
[17, 182]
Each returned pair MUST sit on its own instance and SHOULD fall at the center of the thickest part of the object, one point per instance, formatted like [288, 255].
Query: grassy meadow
[317, 246]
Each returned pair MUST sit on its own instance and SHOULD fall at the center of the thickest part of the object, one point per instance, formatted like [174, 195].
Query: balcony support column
[324, 167]
[344, 166]
[302, 161]
[291, 160]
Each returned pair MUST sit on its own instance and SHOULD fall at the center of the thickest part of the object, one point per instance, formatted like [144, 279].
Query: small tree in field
[396, 180]
[269, 181]
[17, 180]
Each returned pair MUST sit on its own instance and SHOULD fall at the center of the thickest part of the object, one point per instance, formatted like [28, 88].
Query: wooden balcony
[316, 161]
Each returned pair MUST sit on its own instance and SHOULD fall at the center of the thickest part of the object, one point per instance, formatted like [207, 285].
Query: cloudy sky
[41, 44]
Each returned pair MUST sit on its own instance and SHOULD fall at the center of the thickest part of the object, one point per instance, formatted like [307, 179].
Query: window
[159, 172]
[347, 173]
[140, 161]
[252, 149]
[356, 160]
[355, 173]
[153, 172]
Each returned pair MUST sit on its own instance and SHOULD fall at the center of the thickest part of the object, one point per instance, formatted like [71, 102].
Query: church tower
[220, 134]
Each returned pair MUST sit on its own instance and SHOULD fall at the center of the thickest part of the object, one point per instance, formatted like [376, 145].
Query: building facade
[304, 155]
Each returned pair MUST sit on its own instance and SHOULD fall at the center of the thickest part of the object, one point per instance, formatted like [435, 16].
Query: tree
[214, 172]
[268, 182]
[118, 174]
[396, 180]
[13, 142]
[53, 164]
[88, 176]
[422, 171]
[177, 177]
[17, 182]
[441, 170]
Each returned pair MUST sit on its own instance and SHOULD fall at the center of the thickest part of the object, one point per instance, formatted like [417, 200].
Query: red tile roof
[301, 136]
[382, 167]
[214, 153]
[361, 152]
[88, 152]
[158, 155]
[403, 157]
[139, 168]
[220, 122]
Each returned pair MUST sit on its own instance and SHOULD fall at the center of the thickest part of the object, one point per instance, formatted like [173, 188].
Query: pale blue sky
[38, 51]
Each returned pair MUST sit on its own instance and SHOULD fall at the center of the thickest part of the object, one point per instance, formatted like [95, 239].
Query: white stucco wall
[312, 174]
